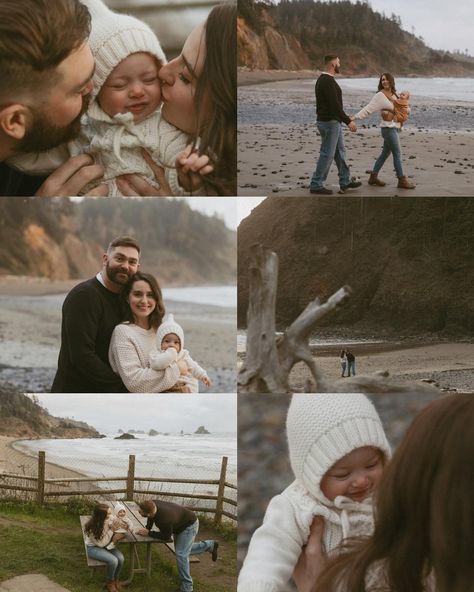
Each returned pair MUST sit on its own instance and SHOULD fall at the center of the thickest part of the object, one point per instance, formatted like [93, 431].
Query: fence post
[220, 492]
[41, 477]
[131, 477]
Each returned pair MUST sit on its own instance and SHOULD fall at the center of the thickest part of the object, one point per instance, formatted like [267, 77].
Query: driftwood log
[269, 358]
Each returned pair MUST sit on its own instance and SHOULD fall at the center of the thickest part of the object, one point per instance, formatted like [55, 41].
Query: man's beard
[113, 273]
[45, 134]
[337, 69]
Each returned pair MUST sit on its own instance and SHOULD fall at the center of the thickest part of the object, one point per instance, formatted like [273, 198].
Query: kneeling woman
[99, 532]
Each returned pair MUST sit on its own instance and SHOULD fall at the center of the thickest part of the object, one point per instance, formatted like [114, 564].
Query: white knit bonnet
[116, 36]
[169, 325]
[323, 428]
[118, 507]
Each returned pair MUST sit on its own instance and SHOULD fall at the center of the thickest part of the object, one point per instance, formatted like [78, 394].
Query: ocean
[189, 456]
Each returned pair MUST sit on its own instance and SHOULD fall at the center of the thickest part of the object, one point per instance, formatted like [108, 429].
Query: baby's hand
[191, 167]
[206, 380]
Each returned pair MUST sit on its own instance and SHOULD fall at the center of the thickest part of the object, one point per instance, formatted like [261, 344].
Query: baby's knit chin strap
[346, 505]
[125, 121]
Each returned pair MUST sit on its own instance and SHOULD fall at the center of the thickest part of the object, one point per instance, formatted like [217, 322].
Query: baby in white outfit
[337, 451]
[169, 348]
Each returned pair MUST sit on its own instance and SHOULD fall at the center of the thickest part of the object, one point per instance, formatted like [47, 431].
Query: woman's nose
[166, 74]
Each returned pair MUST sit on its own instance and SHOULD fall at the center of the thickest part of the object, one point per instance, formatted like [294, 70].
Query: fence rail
[131, 487]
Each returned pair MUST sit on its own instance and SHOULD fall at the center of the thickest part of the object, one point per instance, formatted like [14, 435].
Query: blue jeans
[351, 366]
[113, 560]
[332, 148]
[391, 144]
[185, 546]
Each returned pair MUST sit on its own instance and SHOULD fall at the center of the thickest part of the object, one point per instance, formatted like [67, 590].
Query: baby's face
[132, 86]
[171, 340]
[121, 513]
[356, 475]
[405, 95]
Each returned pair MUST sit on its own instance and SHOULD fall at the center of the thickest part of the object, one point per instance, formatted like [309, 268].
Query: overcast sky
[245, 205]
[163, 412]
[442, 24]
[224, 207]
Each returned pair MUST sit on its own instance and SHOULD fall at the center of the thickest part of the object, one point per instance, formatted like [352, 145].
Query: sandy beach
[448, 365]
[30, 326]
[279, 143]
[18, 463]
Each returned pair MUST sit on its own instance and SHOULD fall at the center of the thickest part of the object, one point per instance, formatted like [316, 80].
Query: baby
[124, 115]
[338, 450]
[169, 345]
[123, 524]
[401, 109]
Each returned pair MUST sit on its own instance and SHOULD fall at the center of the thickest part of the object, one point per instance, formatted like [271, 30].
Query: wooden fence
[38, 487]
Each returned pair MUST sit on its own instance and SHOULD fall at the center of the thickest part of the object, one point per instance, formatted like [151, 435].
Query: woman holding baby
[146, 350]
[394, 111]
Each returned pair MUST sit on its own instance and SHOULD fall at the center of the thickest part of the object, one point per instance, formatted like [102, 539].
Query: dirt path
[30, 583]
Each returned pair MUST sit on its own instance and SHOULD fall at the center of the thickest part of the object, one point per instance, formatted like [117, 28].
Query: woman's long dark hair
[215, 101]
[156, 317]
[95, 525]
[391, 81]
[424, 511]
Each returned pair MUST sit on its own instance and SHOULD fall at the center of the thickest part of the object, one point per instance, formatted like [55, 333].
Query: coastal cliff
[295, 35]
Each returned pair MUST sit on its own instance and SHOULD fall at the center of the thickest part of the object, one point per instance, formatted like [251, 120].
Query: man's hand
[312, 559]
[191, 167]
[352, 126]
[143, 531]
[72, 176]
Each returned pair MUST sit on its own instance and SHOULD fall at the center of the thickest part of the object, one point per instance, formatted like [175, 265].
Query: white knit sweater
[104, 540]
[276, 546]
[116, 143]
[161, 359]
[129, 356]
[378, 102]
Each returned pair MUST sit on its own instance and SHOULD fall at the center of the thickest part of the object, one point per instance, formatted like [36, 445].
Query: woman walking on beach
[133, 340]
[423, 538]
[383, 101]
[99, 532]
[343, 360]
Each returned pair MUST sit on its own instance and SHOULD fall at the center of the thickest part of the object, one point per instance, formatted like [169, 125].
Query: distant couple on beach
[115, 337]
[347, 361]
[394, 109]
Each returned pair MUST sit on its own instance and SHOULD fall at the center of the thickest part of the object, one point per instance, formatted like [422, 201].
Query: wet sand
[30, 328]
[279, 143]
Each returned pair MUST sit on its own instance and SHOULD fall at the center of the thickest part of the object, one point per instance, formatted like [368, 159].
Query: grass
[48, 540]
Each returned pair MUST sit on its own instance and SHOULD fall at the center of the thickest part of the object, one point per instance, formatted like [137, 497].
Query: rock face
[125, 437]
[22, 417]
[409, 262]
[295, 35]
[201, 430]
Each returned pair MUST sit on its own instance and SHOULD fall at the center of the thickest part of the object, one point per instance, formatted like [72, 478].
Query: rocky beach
[279, 143]
[30, 327]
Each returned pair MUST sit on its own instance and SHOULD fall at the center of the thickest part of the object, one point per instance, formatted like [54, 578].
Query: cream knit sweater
[129, 356]
[378, 102]
[276, 546]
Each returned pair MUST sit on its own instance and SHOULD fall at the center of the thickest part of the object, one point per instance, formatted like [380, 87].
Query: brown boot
[404, 183]
[374, 180]
[118, 585]
[110, 586]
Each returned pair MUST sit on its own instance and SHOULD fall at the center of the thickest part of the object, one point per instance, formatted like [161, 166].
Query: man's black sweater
[329, 100]
[90, 314]
[170, 519]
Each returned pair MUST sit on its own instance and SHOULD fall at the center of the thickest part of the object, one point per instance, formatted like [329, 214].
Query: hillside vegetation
[410, 262]
[59, 239]
[296, 34]
[22, 417]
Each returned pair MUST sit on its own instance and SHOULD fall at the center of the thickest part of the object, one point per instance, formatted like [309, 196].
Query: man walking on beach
[330, 115]
[183, 524]
[351, 363]
[47, 69]
[90, 313]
